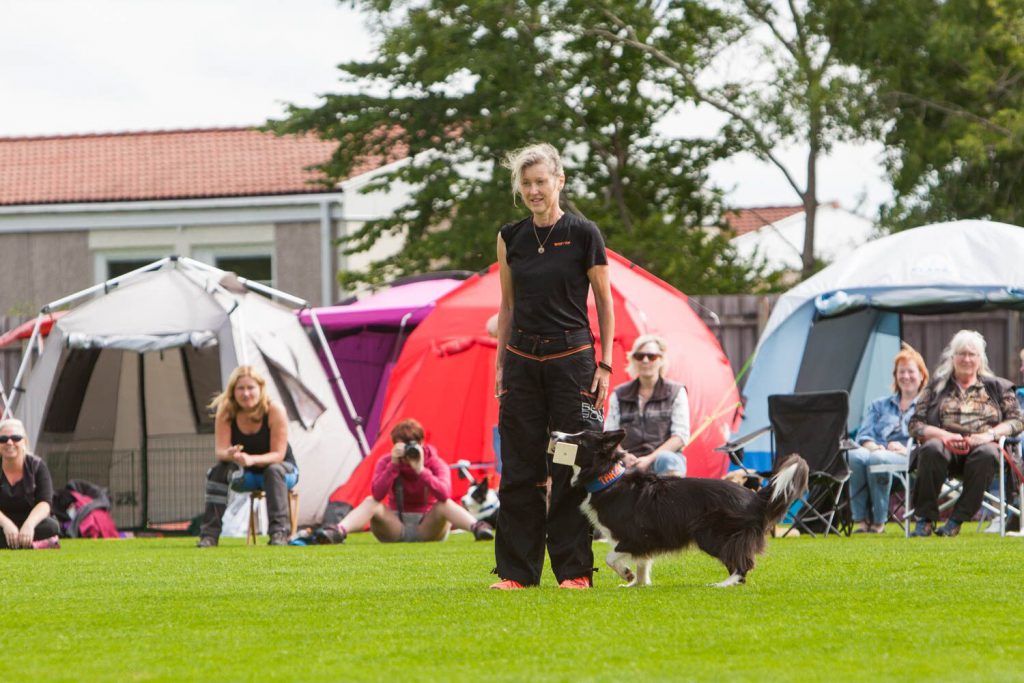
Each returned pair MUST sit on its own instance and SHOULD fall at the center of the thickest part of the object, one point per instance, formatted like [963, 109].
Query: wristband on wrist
[604, 366]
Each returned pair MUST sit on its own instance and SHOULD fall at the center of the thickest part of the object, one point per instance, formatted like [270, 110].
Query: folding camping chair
[814, 425]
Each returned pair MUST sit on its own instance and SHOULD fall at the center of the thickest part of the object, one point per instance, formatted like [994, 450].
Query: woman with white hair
[960, 417]
[653, 411]
[26, 493]
[546, 377]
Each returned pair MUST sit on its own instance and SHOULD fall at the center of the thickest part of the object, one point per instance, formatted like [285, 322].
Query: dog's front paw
[635, 582]
[733, 580]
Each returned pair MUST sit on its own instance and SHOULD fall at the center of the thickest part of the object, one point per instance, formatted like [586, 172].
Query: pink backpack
[92, 520]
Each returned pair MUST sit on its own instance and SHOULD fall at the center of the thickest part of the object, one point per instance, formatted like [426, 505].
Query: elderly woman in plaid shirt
[959, 420]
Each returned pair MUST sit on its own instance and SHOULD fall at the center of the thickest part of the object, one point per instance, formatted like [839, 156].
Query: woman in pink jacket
[410, 496]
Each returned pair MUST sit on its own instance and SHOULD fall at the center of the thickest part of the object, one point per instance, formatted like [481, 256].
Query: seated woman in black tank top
[251, 445]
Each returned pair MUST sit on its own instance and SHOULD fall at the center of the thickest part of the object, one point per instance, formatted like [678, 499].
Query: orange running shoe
[507, 585]
[579, 583]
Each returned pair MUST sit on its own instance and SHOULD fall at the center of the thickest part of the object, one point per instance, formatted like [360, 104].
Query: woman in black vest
[251, 445]
[959, 420]
[653, 411]
[546, 377]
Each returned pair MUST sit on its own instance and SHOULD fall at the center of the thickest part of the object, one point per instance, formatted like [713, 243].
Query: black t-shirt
[257, 443]
[550, 289]
[16, 502]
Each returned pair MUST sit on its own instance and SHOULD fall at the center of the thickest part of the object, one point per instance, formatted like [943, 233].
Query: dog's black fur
[645, 515]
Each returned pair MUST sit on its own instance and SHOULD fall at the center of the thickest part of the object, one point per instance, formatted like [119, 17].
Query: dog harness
[606, 479]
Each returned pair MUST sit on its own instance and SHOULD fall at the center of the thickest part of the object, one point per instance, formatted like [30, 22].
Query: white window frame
[210, 254]
[103, 257]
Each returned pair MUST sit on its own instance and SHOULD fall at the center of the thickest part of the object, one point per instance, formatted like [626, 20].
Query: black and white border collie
[644, 515]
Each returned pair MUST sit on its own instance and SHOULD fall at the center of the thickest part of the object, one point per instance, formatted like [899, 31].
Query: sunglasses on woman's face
[13, 437]
[639, 355]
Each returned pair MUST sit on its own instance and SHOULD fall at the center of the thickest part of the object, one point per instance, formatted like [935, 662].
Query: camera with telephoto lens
[412, 450]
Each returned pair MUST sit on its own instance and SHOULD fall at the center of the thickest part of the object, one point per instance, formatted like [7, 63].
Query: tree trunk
[810, 197]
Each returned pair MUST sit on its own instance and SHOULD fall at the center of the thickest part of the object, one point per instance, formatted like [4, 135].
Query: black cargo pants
[546, 386]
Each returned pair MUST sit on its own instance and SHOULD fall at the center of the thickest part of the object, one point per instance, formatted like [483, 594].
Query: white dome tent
[118, 394]
[841, 328]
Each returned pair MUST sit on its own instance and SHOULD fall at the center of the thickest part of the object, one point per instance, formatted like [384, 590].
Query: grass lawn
[861, 608]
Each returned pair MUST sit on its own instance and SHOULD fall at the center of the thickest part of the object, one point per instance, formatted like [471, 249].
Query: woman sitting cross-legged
[416, 484]
[26, 493]
[882, 440]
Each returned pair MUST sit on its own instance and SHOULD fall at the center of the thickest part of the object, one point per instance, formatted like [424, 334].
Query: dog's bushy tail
[788, 484]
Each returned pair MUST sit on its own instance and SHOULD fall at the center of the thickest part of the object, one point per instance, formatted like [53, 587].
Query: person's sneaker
[922, 528]
[507, 585]
[482, 531]
[329, 535]
[207, 542]
[951, 529]
[579, 583]
[995, 526]
[304, 536]
[278, 538]
[51, 543]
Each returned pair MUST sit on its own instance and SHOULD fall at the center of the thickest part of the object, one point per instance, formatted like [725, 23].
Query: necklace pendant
[540, 250]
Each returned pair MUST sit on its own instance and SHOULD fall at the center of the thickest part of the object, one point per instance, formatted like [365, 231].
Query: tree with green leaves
[947, 78]
[459, 85]
[788, 88]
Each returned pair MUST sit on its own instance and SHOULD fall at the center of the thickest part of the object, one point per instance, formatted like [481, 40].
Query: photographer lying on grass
[416, 484]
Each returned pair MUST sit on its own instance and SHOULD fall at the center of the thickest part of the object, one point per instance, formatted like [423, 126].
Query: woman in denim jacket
[882, 439]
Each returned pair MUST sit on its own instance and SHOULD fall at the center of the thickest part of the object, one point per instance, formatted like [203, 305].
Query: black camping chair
[814, 425]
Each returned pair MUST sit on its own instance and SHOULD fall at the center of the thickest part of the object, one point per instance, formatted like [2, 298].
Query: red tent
[445, 375]
[24, 330]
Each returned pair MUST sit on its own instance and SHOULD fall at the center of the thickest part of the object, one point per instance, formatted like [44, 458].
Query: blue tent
[840, 329]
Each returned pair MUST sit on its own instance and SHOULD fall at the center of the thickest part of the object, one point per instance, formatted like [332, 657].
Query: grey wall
[41, 267]
[297, 258]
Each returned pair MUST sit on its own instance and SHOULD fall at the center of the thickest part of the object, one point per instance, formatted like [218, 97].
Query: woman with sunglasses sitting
[653, 411]
[26, 493]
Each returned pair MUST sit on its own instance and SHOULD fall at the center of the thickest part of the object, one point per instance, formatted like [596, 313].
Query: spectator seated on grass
[410, 498]
[654, 412]
[959, 420]
[251, 445]
[882, 440]
[26, 494]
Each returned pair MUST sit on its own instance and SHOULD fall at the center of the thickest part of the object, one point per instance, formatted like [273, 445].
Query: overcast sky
[79, 66]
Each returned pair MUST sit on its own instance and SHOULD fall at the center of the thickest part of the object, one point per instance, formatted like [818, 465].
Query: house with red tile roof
[776, 233]
[78, 209]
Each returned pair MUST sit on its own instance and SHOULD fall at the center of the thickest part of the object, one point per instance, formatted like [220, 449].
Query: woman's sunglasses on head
[646, 356]
[4, 438]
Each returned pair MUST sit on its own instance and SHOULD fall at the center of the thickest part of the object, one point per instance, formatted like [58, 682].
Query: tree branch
[763, 147]
[951, 110]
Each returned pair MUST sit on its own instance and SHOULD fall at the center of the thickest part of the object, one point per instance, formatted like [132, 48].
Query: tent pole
[9, 405]
[250, 284]
[340, 383]
[144, 446]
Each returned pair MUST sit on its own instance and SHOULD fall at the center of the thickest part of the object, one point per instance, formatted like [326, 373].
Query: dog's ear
[609, 440]
[480, 492]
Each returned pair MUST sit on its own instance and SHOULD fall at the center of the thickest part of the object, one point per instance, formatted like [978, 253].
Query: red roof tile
[754, 218]
[180, 164]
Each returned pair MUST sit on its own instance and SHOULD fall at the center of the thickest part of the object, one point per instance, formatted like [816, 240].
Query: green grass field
[861, 608]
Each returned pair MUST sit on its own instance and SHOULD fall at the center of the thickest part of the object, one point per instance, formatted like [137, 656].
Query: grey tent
[119, 392]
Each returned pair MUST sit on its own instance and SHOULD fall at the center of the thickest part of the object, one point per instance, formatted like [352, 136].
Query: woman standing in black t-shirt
[546, 376]
[26, 493]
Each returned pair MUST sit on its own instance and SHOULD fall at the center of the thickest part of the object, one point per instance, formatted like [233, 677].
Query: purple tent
[366, 337]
